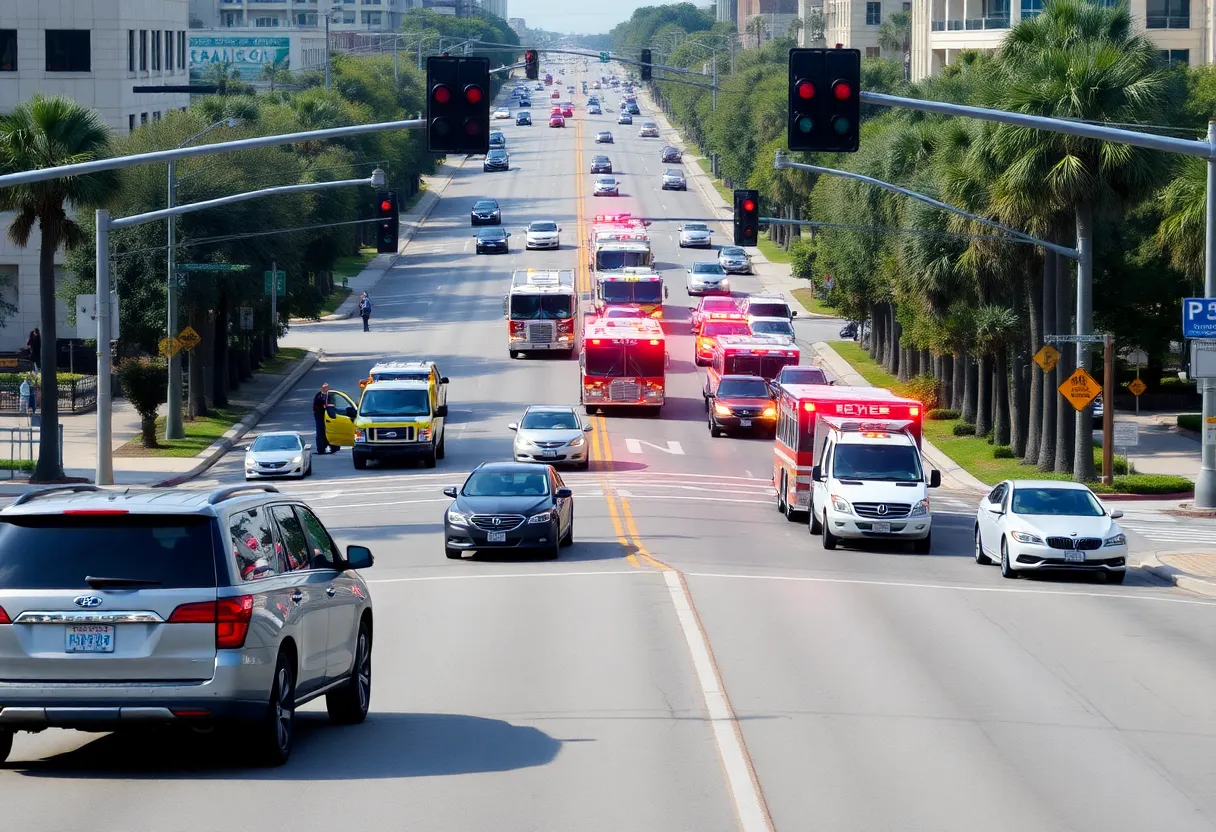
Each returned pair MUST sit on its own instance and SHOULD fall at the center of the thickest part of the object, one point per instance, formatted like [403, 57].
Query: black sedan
[509, 505]
[671, 154]
[496, 159]
[485, 212]
[741, 403]
[492, 241]
[601, 164]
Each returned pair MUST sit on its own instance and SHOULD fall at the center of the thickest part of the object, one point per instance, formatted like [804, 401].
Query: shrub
[1153, 484]
[1002, 452]
[1190, 421]
[1120, 463]
[1173, 384]
[942, 414]
[923, 388]
[17, 378]
[964, 429]
[143, 382]
[802, 258]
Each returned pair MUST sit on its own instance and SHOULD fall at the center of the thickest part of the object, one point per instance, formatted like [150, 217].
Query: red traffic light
[843, 90]
[441, 93]
[473, 94]
[386, 205]
[472, 127]
[530, 55]
[749, 205]
[806, 90]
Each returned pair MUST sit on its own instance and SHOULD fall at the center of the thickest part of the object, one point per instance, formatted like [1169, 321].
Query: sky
[590, 17]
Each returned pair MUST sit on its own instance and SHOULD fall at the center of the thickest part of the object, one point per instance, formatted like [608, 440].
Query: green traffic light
[805, 124]
[841, 125]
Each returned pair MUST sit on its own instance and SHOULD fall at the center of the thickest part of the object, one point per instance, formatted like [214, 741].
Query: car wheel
[6, 744]
[1111, 578]
[513, 353]
[829, 540]
[812, 522]
[275, 732]
[360, 461]
[441, 450]
[791, 511]
[921, 547]
[1007, 571]
[568, 540]
[681, 244]
[714, 430]
[980, 557]
[554, 550]
[428, 461]
[781, 495]
[348, 704]
[584, 465]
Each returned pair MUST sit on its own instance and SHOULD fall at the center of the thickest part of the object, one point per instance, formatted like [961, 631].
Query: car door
[345, 595]
[308, 597]
[819, 490]
[565, 505]
[989, 521]
[339, 428]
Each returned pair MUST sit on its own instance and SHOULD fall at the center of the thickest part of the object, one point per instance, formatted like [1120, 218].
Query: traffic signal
[386, 222]
[532, 64]
[747, 218]
[458, 105]
[645, 64]
[824, 100]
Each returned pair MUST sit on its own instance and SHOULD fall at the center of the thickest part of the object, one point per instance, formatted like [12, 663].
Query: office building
[518, 26]
[762, 20]
[345, 15]
[498, 8]
[854, 24]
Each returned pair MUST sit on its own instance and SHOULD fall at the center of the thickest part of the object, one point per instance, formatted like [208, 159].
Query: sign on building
[246, 53]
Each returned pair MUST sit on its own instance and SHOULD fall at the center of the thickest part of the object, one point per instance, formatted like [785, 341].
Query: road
[863, 690]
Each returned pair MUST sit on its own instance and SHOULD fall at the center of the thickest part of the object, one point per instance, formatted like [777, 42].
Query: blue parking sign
[1199, 318]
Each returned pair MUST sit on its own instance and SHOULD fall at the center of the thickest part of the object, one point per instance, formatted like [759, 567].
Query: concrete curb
[221, 446]
[1183, 580]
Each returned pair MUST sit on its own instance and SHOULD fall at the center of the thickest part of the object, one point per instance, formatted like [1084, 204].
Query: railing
[75, 396]
[1167, 21]
[937, 26]
[22, 446]
[1001, 22]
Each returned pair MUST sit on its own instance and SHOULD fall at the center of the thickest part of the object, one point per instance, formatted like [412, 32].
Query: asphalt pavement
[694, 661]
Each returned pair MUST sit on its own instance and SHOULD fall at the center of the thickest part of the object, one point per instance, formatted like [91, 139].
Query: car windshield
[715, 328]
[624, 312]
[601, 160]
[549, 420]
[678, 175]
[543, 226]
[1066, 502]
[772, 328]
[748, 388]
[605, 180]
[719, 305]
[605, 135]
[395, 403]
[614, 360]
[632, 291]
[491, 233]
[732, 251]
[485, 205]
[768, 310]
[506, 484]
[540, 307]
[891, 463]
[496, 154]
[276, 443]
[803, 375]
[610, 261]
[706, 268]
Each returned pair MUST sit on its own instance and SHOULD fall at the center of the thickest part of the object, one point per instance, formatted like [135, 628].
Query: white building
[498, 8]
[854, 24]
[345, 15]
[518, 26]
[95, 53]
[941, 29]
[248, 50]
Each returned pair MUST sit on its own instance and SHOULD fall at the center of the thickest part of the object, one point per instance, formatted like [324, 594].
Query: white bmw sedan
[1027, 525]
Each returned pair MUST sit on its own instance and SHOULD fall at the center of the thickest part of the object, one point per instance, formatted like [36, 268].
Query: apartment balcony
[1167, 21]
[970, 24]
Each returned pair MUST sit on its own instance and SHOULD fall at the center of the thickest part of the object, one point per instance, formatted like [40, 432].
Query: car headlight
[543, 517]
[360, 436]
[722, 410]
[1025, 537]
[920, 509]
[769, 413]
[424, 434]
[1117, 540]
[296, 460]
[457, 518]
[841, 504]
[577, 442]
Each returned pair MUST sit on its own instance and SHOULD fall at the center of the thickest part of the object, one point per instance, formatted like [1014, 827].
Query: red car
[713, 305]
[557, 121]
[568, 111]
[555, 94]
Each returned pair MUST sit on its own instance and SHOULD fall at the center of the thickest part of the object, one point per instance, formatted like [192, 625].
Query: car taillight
[4, 619]
[231, 617]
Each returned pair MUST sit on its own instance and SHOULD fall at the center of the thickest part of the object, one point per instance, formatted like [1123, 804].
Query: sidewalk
[410, 222]
[259, 394]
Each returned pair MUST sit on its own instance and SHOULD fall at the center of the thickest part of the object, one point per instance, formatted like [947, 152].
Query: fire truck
[624, 362]
[541, 311]
[642, 288]
[748, 355]
[618, 241]
[798, 410]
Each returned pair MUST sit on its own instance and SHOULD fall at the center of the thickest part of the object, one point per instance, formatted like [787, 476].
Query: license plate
[548, 454]
[496, 537]
[1074, 557]
[881, 528]
[89, 638]
[745, 423]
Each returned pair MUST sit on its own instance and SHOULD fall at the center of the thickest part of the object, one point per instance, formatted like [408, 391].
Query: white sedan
[1029, 525]
[606, 186]
[280, 453]
[543, 234]
[502, 112]
[695, 234]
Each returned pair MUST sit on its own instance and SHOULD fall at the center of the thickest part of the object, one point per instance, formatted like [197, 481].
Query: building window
[130, 50]
[371, 18]
[68, 50]
[873, 14]
[307, 19]
[907, 7]
[8, 50]
[156, 115]
[169, 51]
[1167, 14]
[1176, 56]
[156, 51]
[1032, 8]
[143, 118]
[265, 22]
[131, 123]
[371, 2]
[181, 50]
[143, 50]
[234, 19]
[872, 52]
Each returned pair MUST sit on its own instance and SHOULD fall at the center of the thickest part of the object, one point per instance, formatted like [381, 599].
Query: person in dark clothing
[365, 311]
[319, 402]
[35, 346]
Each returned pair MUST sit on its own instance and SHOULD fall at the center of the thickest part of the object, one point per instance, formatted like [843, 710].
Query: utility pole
[274, 304]
[105, 446]
[714, 99]
[396, 71]
[1205, 483]
[174, 429]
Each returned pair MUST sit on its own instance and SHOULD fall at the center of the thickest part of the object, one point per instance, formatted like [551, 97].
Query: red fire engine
[623, 362]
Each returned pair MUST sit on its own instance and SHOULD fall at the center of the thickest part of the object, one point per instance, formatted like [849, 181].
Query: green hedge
[964, 429]
[1002, 452]
[1152, 484]
[17, 378]
[1190, 421]
[942, 414]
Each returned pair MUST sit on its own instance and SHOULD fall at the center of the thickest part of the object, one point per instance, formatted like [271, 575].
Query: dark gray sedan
[509, 505]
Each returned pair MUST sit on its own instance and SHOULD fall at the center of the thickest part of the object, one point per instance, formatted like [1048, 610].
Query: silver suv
[124, 608]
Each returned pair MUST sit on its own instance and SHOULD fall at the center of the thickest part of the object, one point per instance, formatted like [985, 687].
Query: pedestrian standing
[365, 311]
[35, 345]
[319, 403]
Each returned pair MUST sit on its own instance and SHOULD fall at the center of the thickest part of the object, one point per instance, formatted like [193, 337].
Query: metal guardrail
[74, 396]
[22, 444]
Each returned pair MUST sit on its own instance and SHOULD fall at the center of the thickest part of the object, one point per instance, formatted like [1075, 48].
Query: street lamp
[174, 429]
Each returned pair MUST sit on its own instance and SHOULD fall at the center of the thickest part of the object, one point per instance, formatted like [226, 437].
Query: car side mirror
[666, 360]
[308, 446]
[443, 379]
[351, 413]
[666, 293]
[441, 411]
[793, 313]
[935, 478]
[1116, 514]
[588, 428]
[359, 557]
[995, 508]
[513, 426]
[564, 493]
[450, 491]
[817, 473]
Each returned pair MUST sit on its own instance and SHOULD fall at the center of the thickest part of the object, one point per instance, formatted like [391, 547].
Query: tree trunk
[947, 377]
[49, 467]
[208, 358]
[1001, 417]
[875, 331]
[1047, 387]
[970, 389]
[1016, 386]
[1064, 419]
[1034, 396]
[983, 411]
[889, 345]
[958, 386]
[905, 363]
[1083, 464]
[197, 403]
[219, 378]
[897, 336]
[926, 364]
[147, 428]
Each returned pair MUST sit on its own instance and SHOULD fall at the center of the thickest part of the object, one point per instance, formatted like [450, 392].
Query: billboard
[246, 53]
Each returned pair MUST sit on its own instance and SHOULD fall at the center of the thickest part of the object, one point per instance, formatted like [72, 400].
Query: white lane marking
[740, 777]
[673, 447]
[912, 585]
[506, 575]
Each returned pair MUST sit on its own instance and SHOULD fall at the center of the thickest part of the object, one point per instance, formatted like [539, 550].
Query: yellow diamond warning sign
[1137, 387]
[1047, 358]
[189, 338]
[1080, 388]
[169, 347]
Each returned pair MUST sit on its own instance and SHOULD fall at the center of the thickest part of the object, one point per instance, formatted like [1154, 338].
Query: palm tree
[46, 132]
[895, 35]
[755, 28]
[1080, 61]
[226, 78]
[276, 71]
[1184, 203]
